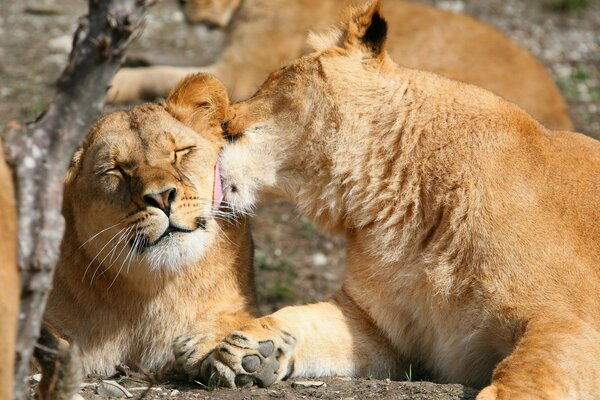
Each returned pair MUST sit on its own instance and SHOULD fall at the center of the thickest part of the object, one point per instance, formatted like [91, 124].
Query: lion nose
[162, 200]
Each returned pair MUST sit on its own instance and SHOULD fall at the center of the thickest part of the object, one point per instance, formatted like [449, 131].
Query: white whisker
[119, 240]
[100, 251]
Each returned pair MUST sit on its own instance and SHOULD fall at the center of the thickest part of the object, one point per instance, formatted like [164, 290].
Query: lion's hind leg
[147, 83]
[555, 359]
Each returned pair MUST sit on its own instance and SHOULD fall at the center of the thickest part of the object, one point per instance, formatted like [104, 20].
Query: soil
[295, 263]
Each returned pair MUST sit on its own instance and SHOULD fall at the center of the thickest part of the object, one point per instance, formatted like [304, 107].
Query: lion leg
[324, 339]
[9, 310]
[9, 276]
[555, 359]
[147, 83]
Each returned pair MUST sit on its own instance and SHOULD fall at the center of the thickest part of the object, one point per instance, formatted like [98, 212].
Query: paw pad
[251, 363]
[265, 348]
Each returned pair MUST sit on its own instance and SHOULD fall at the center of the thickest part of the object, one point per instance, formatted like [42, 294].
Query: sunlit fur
[263, 35]
[213, 12]
[472, 230]
[125, 289]
[9, 276]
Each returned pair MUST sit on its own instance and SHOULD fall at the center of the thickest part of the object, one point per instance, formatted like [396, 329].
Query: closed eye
[232, 138]
[116, 171]
[179, 153]
[228, 135]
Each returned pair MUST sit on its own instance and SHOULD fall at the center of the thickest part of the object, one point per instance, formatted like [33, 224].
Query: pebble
[174, 392]
[112, 389]
[455, 6]
[308, 384]
[319, 260]
[36, 378]
[77, 396]
[61, 43]
[86, 385]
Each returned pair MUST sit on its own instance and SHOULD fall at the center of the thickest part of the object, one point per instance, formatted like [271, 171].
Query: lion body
[266, 34]
[134, 274]
[472, 234]
[9, 275]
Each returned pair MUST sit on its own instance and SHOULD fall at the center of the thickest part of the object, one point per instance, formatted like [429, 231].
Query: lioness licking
[265, 34]
[472, 230]
[145, 258]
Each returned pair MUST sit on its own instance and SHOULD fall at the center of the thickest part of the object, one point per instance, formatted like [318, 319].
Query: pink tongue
[217, 189]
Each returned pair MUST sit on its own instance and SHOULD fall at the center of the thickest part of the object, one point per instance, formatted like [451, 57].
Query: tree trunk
[39, 155]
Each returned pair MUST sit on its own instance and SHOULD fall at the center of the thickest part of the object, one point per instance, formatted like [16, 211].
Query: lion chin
[175, 251]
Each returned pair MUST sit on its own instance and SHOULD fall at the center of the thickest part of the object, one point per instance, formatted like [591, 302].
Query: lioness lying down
[145, 258]
[265, 34]
[472, 231]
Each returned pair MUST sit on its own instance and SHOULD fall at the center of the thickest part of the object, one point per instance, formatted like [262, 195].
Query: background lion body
[266, 34]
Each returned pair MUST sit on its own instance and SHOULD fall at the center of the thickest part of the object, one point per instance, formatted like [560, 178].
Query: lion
[147, 255]
[265, 34]
[9, 276]
[472, 230]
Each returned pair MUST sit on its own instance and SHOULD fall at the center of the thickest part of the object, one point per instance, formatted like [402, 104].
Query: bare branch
[39, 155]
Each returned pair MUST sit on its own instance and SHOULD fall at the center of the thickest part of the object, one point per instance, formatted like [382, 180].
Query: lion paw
[190, 352]
[257, 354]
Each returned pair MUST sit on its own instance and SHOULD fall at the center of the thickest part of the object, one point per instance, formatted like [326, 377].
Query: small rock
[61, 43]
[36, 378]
[112, 389]
[344, 378]
[319, 260]
[455, 6]
[308, 384]
[77, 396]
[174, 392]
[177, 17]
[88, 385]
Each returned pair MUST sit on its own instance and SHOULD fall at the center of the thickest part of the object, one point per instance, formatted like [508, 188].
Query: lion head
[143, 191]
[214, 13]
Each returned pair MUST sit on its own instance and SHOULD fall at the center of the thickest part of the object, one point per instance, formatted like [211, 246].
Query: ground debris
[308, 384]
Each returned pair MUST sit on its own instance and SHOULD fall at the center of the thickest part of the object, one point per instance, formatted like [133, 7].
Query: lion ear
[367, 30]
[199, 101]
[74, 166]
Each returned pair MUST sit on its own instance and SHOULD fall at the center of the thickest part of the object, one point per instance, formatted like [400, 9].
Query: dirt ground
[295, 263]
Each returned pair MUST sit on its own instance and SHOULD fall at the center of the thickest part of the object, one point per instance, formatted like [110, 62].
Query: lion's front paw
[190, 351]
[258, 353]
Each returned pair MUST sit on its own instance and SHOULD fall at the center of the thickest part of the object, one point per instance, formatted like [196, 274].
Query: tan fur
[265, 34]
[124, 306]
[9, 276]
[472, 230]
